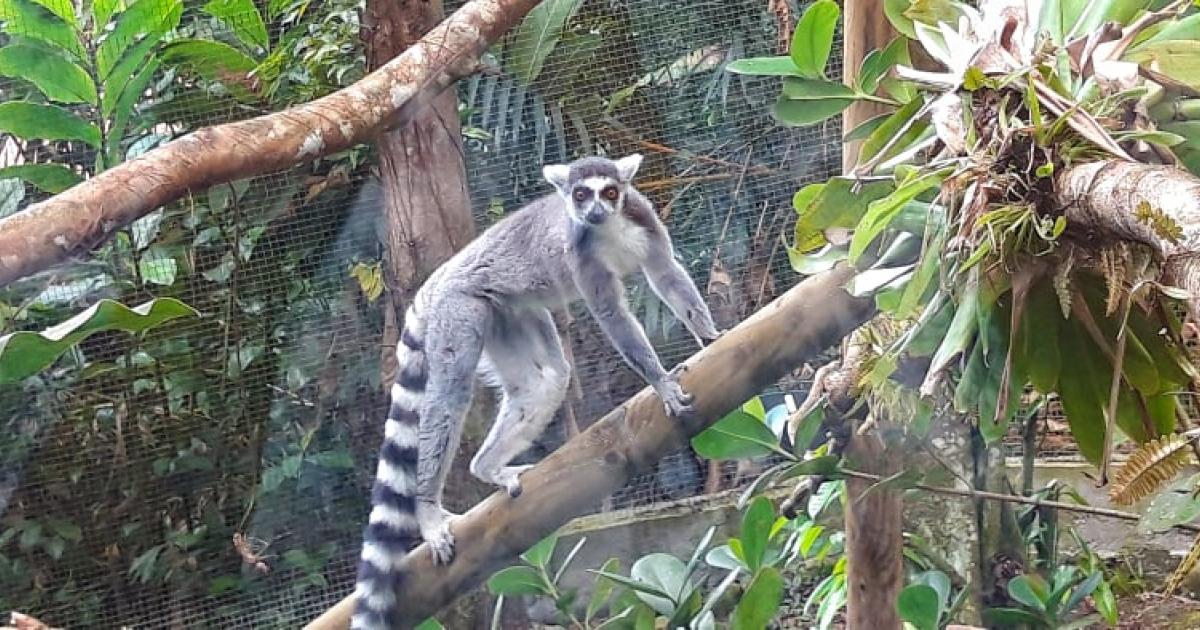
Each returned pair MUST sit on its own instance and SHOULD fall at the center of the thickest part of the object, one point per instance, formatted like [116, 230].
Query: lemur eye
[580, 194]
[611, 193]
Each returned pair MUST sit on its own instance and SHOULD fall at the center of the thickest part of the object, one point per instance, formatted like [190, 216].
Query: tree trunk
[874, 537]
[427, 211]
[627, 441]
[77, 219]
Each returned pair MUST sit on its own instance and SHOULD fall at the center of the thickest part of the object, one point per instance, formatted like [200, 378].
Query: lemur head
[593, 187]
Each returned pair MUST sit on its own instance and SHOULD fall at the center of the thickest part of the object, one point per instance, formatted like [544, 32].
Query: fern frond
[1185, 567]
[1148, 468]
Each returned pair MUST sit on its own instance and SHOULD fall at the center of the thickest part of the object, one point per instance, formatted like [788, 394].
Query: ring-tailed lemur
[486, 313]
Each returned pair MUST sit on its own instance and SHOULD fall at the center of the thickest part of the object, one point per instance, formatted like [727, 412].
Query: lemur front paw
[677, 402]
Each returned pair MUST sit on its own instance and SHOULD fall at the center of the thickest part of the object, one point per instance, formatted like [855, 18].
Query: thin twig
[1012, 498]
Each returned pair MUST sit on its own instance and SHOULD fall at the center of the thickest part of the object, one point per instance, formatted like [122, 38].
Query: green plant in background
[1050, 605]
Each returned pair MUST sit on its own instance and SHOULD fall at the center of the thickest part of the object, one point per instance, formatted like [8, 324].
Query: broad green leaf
[1093, 13]
[1106, 603]
[812, 40]
[59, 79]
[602, 588]
[1173, 506]
[1178, 59]
[1037, 339]
[878, 62]
[664, 573]
[241, 17]
[1186, 29]
[51, 178]
[738, 435]
[61, 8]
[1168, 359]
[884, 133]
[119, 81]
[102, 11]
[865, 128]
[144, 18]
[836, 204]
[539, 554]
[962, 328]
[755, 407]
[918, 604]
[33, 121]
[808, 89]
[214, 61]
[922, 278]
[756, 532]
[800, 113]
[881, 212]
[924, 338]
[1083, 590]
[967, 391]
[430, 624]
[517, 581]
[1029, 590]
[1138, 365]
[760, 602]
[765, 66]
[810, 424]
[29, 19]
[24, 353]
[1083, 389]
[812, 264]
[895, 11]
[123, 109]
[536, 38]
[1011, 617]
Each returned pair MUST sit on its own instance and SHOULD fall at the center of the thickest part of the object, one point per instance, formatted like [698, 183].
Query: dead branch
[628, 440]
[81, 217]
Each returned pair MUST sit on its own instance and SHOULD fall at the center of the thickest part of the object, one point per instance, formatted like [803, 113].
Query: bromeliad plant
[1021, 210]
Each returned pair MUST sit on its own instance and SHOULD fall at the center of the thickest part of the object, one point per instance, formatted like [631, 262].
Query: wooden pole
[629, 440]
[874, 540]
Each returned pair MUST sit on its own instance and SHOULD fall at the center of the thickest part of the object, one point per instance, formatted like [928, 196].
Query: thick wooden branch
[1100, 201]
[629, 440]
[83, 216]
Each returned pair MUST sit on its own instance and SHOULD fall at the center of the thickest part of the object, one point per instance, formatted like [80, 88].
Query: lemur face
[593, 187]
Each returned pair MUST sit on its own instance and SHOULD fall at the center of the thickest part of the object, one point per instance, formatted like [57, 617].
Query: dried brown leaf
[1185, 567]
[1149, 467]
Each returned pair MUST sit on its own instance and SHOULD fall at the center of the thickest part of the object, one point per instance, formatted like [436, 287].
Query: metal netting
[130, 469]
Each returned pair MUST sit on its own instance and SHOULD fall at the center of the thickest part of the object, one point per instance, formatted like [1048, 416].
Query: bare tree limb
[628, 440]
[83, 216]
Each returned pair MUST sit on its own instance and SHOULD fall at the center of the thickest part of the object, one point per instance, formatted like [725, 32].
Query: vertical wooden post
[874, 545]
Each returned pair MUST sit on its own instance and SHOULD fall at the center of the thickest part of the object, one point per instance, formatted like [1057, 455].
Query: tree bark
[874, 536]
[627, 441]
[77, 219]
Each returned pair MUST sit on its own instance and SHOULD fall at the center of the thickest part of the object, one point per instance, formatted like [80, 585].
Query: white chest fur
[626, 245]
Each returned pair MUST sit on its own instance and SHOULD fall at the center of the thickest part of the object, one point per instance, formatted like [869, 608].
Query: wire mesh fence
[213, 472]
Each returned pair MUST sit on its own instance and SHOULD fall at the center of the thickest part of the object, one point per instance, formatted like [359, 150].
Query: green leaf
[123, 109]
[120, 80]
[1178, 59]
[1083, 389]
[800, 113]
[214, 61]
[756, 532]
[866, 128]
[12, 192]
[24, 353]
[537, 37]
[102, 11]
[1029, 590]
[664, 573]
[1173, 506]
[59, 79]
[810, 424]
[812, 40]
[738, 435]
[760, 602]
[807, 89]
[889, 128]
[517, 581]
[32, 121]
[918, 604]
[836, 204]
[881, 212]
[1011, 617]
[1037, 339]
[962, 328]
[539, 554]
[1083, 590]
[764, 66]
[895, 10]
[241, 17]
[603, 587]
[1186, 29]
[430, 624]
[29, 19]
[51, 178]
[812, 264]
[878, 63]
[157, 267]
[149, 19]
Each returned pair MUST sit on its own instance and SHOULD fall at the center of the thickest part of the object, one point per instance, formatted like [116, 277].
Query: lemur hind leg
[453, 345]
[525, 357]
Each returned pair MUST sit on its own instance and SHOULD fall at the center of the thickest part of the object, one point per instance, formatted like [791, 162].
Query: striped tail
[392, 528]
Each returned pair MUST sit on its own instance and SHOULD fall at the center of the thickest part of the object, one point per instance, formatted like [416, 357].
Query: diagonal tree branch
[813, 316]
[82, 217]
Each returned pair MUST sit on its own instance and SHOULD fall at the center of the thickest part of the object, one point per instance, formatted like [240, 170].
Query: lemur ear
[627, 166]
[557, 174]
